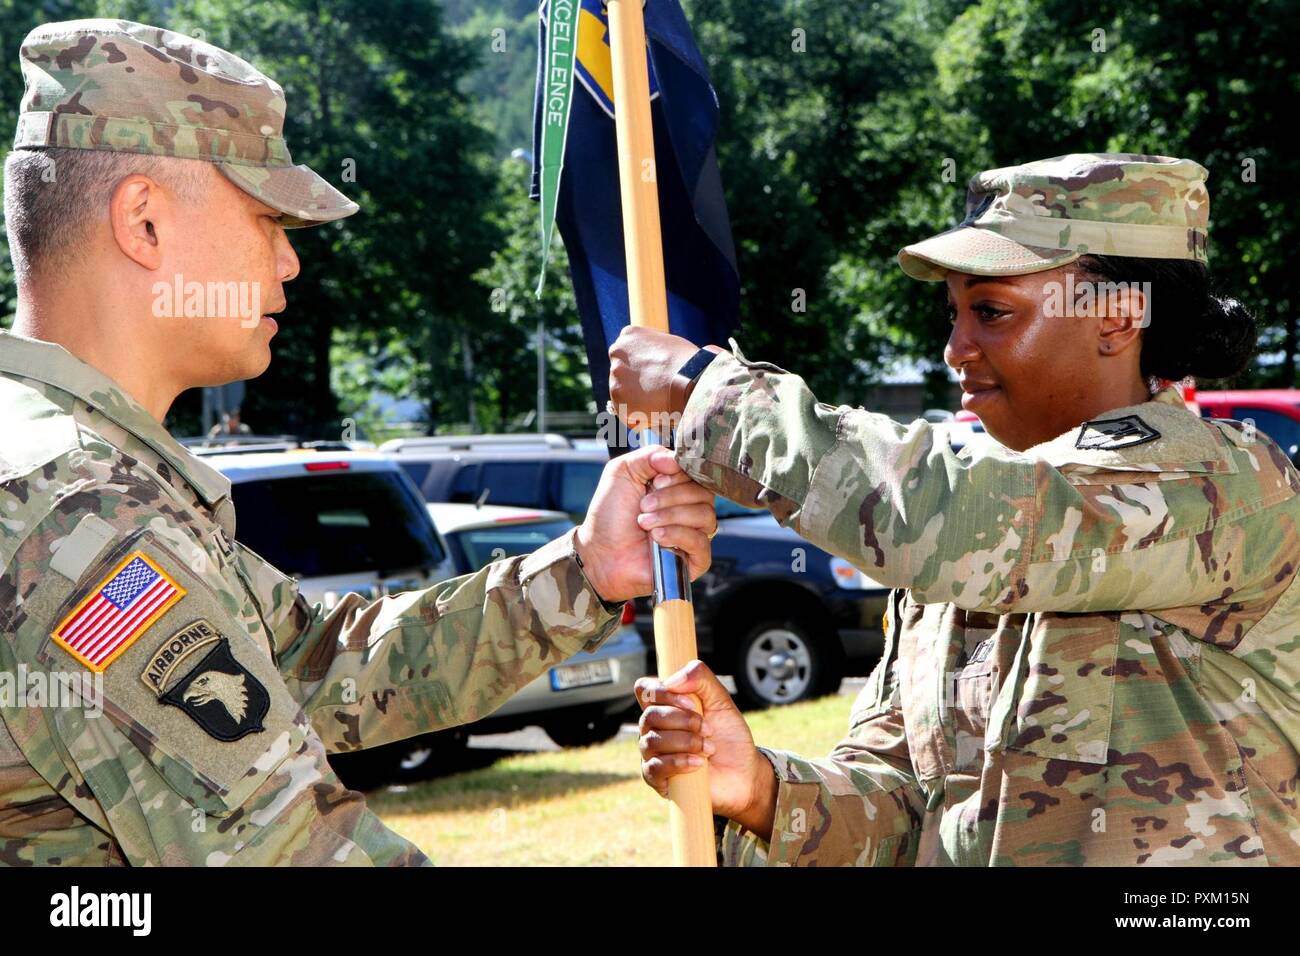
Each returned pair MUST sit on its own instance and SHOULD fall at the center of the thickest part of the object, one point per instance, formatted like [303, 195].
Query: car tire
[362, 770]
[404, 761]
[781, 660]
[430, 755]
[586, 728]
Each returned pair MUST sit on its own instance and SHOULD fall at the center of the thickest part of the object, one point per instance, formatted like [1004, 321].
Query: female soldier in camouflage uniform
[1092, 657]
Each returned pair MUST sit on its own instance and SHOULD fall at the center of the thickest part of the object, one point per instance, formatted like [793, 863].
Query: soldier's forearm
[759, 815]
[753, 433]
[373, 673]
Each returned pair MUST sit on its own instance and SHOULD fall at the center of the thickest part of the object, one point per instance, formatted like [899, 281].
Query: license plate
[581, 675]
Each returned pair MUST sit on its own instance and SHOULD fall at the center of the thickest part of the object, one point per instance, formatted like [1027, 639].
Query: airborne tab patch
[1114, 433]
[217, 692]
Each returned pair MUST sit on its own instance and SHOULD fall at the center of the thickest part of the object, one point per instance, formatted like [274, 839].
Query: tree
[379, 112]
[507, 346]
[1209, 82]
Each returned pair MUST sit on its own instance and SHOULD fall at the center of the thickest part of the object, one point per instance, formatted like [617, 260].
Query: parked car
[336, 521]
[589, 697]
[1275, 412]
[584, 700]
[529, 471]
[771, 611]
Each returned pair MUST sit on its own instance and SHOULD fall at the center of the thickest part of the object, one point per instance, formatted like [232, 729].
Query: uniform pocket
[1065, 705]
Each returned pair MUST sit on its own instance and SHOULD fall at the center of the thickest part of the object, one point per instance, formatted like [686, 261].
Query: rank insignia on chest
[1114, 433]
[196, 670]
[117, 611]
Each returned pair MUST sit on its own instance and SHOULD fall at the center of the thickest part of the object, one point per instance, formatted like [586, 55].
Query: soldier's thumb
[696, 678]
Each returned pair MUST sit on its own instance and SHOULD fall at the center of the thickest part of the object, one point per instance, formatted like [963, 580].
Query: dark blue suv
[784, 618]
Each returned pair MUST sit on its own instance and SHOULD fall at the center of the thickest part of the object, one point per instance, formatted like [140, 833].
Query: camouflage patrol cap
[127, 87]
[1046, 213]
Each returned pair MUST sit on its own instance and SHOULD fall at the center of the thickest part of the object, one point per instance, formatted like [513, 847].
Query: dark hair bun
[1190, 330]
[1224, 341]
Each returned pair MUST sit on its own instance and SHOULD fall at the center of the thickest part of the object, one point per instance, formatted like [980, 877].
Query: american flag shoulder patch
[117, 611]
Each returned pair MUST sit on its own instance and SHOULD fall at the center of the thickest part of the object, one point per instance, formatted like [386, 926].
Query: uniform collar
[54, 365]
[1160, 434]
[1169, 396]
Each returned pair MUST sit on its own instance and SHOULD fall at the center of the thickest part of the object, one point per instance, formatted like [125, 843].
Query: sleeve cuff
[725, 378]
[719, 372]
[790, 821]
[561, 597]
[717, 440]
[738, 846]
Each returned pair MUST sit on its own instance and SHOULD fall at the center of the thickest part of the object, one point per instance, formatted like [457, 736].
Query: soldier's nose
[961, 349]
[287, 265]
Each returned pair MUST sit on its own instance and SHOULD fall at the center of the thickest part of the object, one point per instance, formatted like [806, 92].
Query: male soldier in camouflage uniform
[166, 696]
[1096, 659]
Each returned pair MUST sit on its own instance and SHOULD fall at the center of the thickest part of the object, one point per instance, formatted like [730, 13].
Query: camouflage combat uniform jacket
[204, 740]
[1096, 657]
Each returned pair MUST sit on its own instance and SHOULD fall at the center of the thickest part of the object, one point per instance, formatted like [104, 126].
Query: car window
[482, 546]
[513, 483]
[418, 471]
[336, 523]
[578, 481]
[1281, 428]
[464, 487]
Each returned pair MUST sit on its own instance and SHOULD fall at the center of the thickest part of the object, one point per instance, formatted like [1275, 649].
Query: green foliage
[386, 104]
[511, 281]
[848, 130]
[505, 32]
[1198, 79]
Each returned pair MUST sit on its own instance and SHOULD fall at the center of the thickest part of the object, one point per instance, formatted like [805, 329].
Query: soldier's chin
[262, 363]
[991, 407]
[255, 359]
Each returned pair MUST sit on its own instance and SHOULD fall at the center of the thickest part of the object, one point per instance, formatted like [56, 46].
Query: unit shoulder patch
[1114, 433]
[216, 691]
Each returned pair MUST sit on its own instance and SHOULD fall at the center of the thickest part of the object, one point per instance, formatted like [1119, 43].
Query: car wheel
[405, 761]
[583, 730]
[781, 661]
[430, 755]
[362, 770]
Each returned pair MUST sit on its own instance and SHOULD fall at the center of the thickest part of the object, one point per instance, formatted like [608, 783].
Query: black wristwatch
[686, 376]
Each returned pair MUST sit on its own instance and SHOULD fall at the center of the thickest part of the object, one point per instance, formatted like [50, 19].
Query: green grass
[576, 807]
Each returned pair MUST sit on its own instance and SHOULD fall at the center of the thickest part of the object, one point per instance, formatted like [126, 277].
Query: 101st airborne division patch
[217, 692]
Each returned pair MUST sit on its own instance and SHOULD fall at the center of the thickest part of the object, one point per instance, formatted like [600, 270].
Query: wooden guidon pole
[691, 810]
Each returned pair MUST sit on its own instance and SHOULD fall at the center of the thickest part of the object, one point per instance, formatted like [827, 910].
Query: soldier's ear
[1123, 315]
[134, 209]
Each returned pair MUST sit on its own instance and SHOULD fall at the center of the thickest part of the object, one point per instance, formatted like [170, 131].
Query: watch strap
[686, 376]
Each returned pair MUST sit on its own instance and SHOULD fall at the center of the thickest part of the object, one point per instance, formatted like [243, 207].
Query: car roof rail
[240, 444]
[524, 441]
[335, 445]
[205, 451]
[244, 439]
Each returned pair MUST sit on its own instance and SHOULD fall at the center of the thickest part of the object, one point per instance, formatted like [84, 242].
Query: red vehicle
[1275, 412]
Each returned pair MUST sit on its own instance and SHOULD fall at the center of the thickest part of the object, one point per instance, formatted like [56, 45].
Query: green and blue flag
[575, 175]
